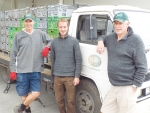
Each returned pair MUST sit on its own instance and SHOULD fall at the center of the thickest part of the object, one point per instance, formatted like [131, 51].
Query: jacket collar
[63, 38]
[130, 32]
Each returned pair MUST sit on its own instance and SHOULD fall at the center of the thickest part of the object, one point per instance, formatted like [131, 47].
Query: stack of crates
[11, 21]
[55, 13]
[2, 31]
[52, 26]
[41, 17]
[16, 23]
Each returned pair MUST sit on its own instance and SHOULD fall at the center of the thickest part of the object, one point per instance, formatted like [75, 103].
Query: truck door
[94, 65]
[94, 83]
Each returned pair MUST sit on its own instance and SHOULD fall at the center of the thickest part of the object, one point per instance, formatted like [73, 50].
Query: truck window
[104, 26]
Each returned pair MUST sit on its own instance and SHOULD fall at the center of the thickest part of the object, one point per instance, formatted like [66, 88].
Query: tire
[87, 98]
[4, 72]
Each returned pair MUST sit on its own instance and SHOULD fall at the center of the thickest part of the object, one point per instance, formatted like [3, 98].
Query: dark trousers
[62, 84]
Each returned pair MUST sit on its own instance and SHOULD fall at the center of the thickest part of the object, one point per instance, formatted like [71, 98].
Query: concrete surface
[11, 99]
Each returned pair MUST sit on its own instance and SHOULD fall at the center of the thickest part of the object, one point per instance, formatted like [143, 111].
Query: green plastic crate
[10, 42]
[14, 30]
[11, 39]
[53, 33]
[52, 24]
[52, 21]
[11, 31]
[21, 22]
[36, 23]
[10, 46]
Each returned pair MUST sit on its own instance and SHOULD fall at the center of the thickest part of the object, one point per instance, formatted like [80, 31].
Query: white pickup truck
[87, 24]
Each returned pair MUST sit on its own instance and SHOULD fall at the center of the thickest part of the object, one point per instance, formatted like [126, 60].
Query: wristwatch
[135, 86]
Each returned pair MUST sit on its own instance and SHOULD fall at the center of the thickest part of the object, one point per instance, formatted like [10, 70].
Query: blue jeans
[28, 82]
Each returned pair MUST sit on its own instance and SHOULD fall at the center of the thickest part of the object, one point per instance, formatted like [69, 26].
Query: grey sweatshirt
[26, 51]
[66, 57]
[127, 63]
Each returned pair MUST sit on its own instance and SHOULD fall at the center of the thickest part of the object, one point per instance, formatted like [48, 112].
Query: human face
[29, 24]
[63, 29]
[121, 27]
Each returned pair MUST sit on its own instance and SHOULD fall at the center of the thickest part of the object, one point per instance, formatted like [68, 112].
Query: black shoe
[28, 110]
[17, 109]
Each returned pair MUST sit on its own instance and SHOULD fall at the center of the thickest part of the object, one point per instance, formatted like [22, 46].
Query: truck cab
[98, 20]
[87, 24]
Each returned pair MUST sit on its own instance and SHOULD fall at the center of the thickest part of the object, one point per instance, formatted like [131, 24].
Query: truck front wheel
[87, 98]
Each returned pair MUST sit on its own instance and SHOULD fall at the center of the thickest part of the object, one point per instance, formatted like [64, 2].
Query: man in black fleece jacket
[127, 66]
[66, 67]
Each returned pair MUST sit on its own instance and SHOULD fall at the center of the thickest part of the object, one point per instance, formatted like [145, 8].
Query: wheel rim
[85, 102]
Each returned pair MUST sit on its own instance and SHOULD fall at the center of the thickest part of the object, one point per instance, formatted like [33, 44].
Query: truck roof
[108, 8]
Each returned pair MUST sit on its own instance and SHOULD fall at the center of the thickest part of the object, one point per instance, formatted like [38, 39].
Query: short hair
[63, 20]
[126, 21]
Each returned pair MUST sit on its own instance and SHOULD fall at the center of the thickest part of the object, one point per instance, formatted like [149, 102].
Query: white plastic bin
[42, 22]
[61, 10]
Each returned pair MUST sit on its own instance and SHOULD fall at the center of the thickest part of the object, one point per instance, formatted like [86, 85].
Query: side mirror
[91, 27]
[110, 27]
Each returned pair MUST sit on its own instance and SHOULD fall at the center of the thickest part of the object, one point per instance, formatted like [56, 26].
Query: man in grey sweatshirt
[27, 61]
[66, 67]
[127, 66]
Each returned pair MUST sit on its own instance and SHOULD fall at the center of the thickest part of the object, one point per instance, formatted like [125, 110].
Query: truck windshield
[140, 22]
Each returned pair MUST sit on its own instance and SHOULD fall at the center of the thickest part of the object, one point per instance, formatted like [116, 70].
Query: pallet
[5, 52]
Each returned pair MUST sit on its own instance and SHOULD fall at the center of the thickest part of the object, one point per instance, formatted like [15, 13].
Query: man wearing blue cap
[27, 62]
[127, 66]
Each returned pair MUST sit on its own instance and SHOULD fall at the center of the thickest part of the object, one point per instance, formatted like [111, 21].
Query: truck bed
[46, 72]
[4, 60]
